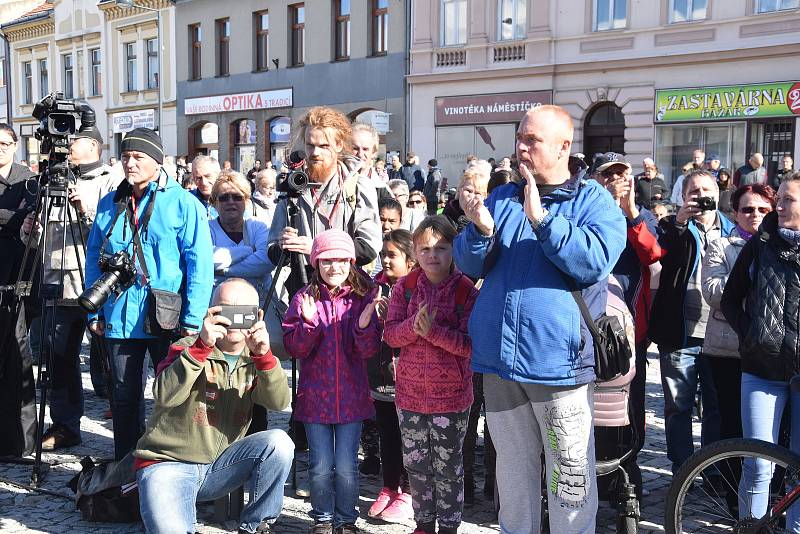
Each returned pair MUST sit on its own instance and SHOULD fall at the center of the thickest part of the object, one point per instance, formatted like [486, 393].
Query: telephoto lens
[118, 275]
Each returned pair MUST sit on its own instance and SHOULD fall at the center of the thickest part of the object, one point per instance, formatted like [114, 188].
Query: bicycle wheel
[704, 494]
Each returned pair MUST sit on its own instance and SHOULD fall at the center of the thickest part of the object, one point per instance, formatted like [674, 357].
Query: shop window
[455, 143]
[610, 15]
[454, 22]
[773, 139]
[68, 78]
[204, 139]
[27, 84]
[604, 130]
[44, 83]
[130, 67]
[297, 30]
[195, 49]
[341, 23]
[687, 10]
[380, 27]
[97, 74]
[768, 6]
[244, 144]
[261, 39]
[512, 19]
[223, 47]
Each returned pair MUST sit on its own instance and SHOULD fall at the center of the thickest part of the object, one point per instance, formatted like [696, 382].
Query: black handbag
[612, 352]
[163, 312]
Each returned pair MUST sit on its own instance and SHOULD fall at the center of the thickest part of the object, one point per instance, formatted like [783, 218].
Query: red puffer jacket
[333, 385]
[433, 373]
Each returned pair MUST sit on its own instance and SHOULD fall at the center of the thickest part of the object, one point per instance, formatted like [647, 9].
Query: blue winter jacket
[525, 325]
[178, 251]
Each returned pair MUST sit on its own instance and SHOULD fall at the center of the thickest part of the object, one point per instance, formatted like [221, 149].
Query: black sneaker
[348, 528]
[322, 528]
[59, 436]
[262, 528]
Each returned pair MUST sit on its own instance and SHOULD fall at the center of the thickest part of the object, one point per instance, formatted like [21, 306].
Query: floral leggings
[432, 455]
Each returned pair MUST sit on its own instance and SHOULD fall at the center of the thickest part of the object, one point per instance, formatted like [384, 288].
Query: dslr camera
[59, 120]
[706, 203]
[118, 275]
[294, 182]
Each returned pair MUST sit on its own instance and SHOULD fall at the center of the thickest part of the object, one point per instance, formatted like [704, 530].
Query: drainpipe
[7, 78]
[406, 91]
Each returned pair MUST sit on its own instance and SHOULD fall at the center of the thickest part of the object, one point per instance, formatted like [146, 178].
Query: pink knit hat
[332, 244]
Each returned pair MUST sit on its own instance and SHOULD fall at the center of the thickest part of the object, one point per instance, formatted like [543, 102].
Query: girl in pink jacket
[427, 319]
[332, 325]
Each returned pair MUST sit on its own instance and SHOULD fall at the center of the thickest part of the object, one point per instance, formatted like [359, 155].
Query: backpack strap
[465, 285]
[410, 284]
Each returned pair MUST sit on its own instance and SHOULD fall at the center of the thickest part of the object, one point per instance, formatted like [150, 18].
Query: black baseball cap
[608, 160]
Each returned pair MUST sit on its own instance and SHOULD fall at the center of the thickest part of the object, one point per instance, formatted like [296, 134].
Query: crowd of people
[412, 309]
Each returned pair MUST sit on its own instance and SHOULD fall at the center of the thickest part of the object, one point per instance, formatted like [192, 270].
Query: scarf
[790, 236]
[744, 234]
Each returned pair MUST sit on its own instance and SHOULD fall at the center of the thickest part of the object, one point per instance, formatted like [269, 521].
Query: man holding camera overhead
[149, 274]
[679, 314]
[90, 181]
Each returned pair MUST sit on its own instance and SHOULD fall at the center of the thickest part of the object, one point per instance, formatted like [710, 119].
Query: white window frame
[791, 4]
[44, 89]
[68, 75]
[96, 71]
[27, 82]
[689, 15]
[460, 25]
[152, 63]
[131, 82]
[611, 23]
[517, 6]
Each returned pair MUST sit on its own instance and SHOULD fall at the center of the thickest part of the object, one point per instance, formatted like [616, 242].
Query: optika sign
[279, 98]
[745, 101]
[487, 109]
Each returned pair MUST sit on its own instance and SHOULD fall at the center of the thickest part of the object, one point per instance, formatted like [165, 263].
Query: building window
[610, 14]
[2, 72]
[152, 63]
[687, 10]
[341, 22]
[380, 27]
[223, 47]
[512, 19]
[130, 67]
[97, 74]
[454, 22]
[767, 6]
[297, 21]
[195, 47]
[44, 83]
[27, 89]
[68, 91]
[261, 26]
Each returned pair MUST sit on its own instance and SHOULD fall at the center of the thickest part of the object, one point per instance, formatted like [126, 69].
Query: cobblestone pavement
[22, 510]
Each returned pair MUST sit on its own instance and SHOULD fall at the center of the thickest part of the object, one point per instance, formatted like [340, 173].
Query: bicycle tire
[719, 455]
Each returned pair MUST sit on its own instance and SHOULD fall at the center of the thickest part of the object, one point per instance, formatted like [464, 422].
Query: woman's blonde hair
[478, 171]
[233, 178]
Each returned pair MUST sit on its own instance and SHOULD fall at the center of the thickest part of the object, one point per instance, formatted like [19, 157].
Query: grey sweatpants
[532, 417]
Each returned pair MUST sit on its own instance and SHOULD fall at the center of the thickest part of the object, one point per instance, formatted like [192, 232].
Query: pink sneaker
[381, 502]
[399, 510]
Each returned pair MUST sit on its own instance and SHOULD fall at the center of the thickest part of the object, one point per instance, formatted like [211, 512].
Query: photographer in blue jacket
[149, 275]
[530, 242]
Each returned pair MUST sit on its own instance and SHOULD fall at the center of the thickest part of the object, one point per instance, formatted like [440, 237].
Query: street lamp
[126, 4]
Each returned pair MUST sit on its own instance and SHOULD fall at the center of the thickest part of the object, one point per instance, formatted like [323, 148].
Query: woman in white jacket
[240, 245]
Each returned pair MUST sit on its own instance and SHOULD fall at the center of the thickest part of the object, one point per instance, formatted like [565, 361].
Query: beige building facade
[247, 75]
[654, 79]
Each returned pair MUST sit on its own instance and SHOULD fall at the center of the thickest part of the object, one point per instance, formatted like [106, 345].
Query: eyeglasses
[415, 201]
[747, 210]
[6, 145]
[230, 197]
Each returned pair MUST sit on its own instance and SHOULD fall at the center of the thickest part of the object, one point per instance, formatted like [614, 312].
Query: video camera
[59, 120]
[294, 182]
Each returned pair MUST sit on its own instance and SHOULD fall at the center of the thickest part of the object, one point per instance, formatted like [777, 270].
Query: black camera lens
[61, 124]
[298, 180]
[93, 298]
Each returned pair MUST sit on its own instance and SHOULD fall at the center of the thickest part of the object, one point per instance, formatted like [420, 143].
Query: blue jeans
[681, 371]
[64, 327]
[333, 471]
[168, 491]
[126, 358]
[763, 402]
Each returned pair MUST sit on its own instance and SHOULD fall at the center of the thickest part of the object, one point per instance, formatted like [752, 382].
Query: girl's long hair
[359, 283]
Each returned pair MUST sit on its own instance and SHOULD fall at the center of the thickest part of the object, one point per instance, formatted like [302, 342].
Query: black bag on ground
[107, 492]
[163, 311]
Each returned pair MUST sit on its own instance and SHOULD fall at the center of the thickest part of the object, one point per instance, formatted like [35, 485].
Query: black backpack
[107, 492]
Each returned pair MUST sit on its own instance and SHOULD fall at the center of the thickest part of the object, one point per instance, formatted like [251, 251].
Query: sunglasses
[415, 201]
[747, 210]
[228, 197]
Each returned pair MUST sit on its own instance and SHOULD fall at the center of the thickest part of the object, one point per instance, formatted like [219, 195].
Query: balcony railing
[509, 52]
[451, 58]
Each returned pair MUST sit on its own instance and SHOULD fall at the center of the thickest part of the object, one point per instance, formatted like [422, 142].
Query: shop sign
[278, 98]
[130, 120]
[485, 109]
[280, 130]
[780, 99]
[380, 121]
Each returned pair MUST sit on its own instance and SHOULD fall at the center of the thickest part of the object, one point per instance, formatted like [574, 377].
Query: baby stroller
[616, 439]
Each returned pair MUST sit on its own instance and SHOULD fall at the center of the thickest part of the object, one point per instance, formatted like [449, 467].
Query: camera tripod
[52, 206]
[296, 265]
